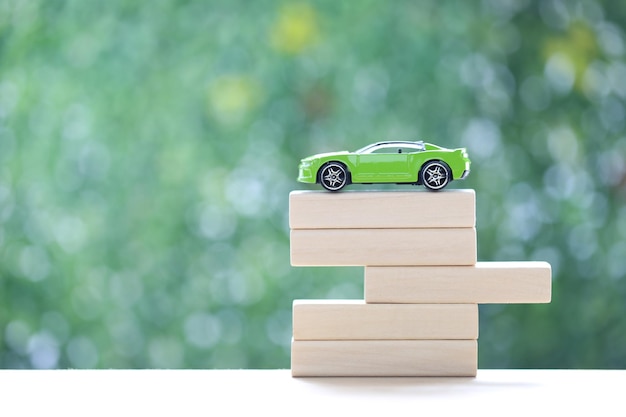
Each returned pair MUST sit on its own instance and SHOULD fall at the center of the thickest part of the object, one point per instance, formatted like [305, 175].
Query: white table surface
[275, 392]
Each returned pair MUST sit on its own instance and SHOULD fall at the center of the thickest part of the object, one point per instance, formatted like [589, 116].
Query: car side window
[385, 150]
[408, 150]
[394, 150]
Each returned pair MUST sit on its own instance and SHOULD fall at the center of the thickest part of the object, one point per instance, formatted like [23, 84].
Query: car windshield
[417, 146]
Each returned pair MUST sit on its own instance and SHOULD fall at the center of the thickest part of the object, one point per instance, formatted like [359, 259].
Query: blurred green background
[147, 150]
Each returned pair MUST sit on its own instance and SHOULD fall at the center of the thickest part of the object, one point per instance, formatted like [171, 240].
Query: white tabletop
[275, 392]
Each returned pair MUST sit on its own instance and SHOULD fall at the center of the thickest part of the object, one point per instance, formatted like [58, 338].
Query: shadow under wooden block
[483, 283]
[356, 320]
[360, 247]
[382, 209]
[384, 358]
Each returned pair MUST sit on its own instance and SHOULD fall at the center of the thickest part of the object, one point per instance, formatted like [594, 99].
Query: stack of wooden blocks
[423, 283]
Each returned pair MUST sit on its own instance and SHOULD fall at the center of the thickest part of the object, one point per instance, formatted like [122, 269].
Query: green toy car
[398, 162]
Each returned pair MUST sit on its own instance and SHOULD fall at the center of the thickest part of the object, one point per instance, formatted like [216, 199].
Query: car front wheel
[333, 176]
[435, 175]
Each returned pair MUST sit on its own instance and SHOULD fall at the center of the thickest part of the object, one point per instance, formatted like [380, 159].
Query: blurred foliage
[147, 150]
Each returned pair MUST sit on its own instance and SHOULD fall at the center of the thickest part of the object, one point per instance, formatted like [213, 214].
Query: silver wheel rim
[435, 176]
[333, 177]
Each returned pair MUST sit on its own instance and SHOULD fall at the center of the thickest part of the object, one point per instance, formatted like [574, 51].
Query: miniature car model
[399, 162]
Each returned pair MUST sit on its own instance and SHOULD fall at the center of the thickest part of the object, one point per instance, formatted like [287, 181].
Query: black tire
[435, 175]
[333, 176]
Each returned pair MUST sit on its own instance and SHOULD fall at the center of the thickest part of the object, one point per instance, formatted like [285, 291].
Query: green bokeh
[147, 150]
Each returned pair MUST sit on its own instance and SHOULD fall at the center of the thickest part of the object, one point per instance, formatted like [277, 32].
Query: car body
[397, 162]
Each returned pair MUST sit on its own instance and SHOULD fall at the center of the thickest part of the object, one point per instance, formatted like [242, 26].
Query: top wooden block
[382, 209]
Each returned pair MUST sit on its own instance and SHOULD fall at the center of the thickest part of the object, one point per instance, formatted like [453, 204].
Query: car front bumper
[305, 173]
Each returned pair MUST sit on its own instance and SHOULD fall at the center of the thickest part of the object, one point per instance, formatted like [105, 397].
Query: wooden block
[384, 358]
[483, 283]
[383, 209]
[359, 247]
[355, 320]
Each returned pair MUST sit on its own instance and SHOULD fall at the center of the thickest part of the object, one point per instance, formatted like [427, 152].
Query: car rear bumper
[467, 169]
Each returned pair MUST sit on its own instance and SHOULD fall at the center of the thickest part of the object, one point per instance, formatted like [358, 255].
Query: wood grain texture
[360, 247]
[382, 209]
[483, 283]
[384, 358]
[356, 320]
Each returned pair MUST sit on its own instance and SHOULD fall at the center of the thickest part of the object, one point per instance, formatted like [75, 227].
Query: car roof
[419, 144]
[398, 142]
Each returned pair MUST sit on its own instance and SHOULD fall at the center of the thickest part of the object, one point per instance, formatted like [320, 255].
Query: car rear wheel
[333, 176]
[435, 175]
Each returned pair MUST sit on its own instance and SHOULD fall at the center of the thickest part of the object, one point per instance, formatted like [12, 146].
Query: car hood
[324, 155]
